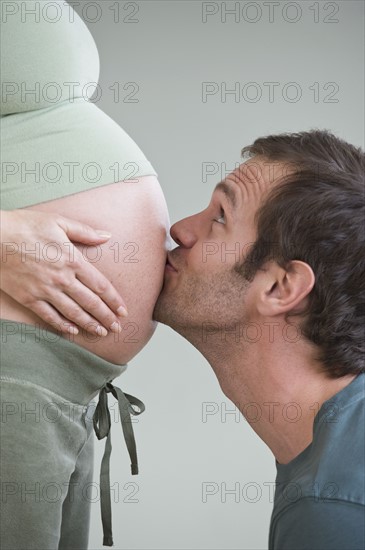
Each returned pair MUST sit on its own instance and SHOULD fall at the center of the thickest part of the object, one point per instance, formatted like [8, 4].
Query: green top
[320, 495]
[55, 142]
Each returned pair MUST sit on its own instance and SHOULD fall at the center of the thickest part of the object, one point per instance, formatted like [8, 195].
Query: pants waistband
[49, 360]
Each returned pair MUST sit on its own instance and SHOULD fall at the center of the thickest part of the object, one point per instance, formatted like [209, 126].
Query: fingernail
[73, 330]
[104, 234]
[122, 312]
[101, 331]
[115, 327]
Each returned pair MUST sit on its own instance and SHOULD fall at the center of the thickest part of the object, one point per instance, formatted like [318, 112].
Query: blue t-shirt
[319, 498]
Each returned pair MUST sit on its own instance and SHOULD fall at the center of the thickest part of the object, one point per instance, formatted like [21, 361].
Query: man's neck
[277, 386]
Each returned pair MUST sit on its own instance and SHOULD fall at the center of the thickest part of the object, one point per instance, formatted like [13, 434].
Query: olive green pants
[47, 414]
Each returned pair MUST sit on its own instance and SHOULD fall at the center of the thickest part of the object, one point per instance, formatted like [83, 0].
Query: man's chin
[166, 312]
[160, 310]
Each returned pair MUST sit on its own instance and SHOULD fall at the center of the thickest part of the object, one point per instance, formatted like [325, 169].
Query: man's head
[282, 236]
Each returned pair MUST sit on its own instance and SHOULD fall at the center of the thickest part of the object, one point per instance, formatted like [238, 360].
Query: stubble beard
[216, 299]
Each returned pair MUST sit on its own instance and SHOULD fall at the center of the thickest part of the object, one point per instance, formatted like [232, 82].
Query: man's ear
[284, 290]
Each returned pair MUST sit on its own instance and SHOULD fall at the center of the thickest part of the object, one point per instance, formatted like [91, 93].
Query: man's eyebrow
[228, 191]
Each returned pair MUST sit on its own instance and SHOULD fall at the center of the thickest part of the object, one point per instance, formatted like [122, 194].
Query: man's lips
[169, 265]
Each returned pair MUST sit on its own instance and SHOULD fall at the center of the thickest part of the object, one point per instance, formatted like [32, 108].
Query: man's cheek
[209, 253]
[222, 254]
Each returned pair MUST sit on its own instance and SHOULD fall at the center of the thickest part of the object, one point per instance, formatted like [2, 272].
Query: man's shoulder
[337, 458]
[321, 493]
[332, 467]
[323, 524]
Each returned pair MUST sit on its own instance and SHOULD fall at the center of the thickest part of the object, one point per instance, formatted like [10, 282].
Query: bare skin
[133, 259]
[211, 305]
[67, 292]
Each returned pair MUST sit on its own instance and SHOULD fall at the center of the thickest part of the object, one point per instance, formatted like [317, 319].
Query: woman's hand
[45, 272]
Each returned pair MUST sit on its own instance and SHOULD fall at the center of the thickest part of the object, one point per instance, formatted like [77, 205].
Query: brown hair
[316, 215]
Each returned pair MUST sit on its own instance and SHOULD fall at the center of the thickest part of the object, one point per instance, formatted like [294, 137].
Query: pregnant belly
[135, 213]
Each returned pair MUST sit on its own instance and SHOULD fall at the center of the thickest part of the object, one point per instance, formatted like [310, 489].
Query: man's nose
[184, 232]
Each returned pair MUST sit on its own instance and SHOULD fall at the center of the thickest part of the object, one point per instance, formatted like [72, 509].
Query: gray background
[314, 52]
